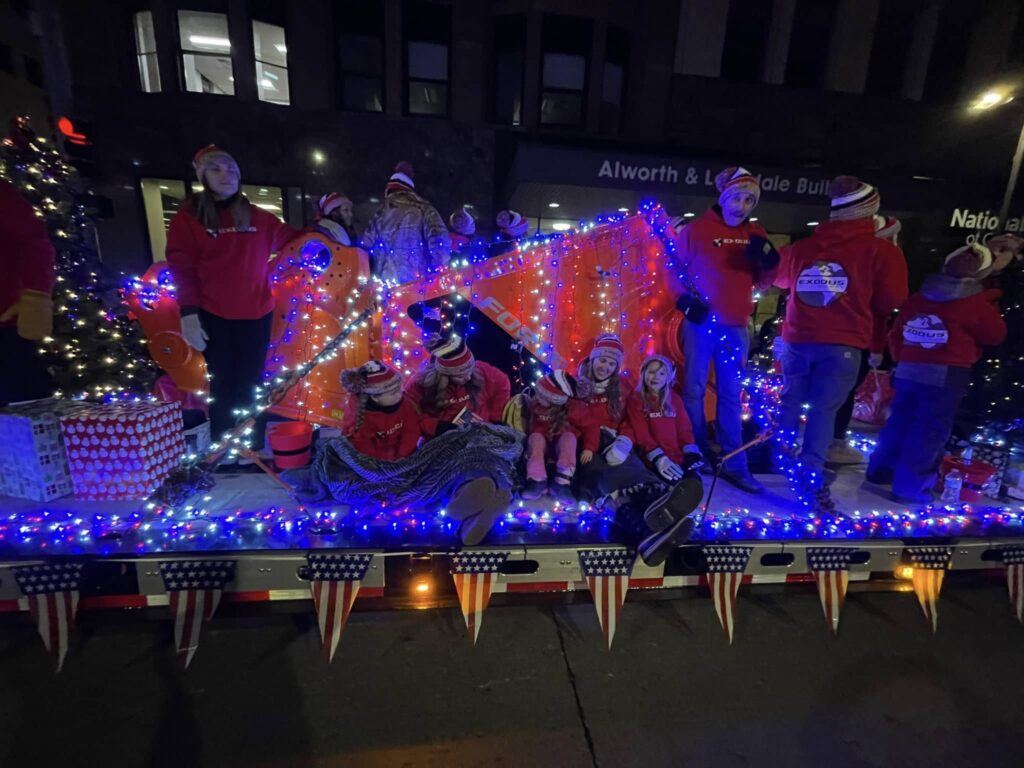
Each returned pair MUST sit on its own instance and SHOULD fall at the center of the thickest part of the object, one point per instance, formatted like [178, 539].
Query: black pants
[845, 412]
[235, 354]
[26, 377]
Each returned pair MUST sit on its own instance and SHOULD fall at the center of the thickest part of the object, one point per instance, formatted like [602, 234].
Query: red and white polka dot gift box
[123, 450]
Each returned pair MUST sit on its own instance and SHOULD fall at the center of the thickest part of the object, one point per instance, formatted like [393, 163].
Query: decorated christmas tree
[96, 348]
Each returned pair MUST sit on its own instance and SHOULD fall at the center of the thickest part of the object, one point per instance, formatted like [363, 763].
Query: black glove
[692, 460]
[762, 253]
[694, 308]
[445, 426]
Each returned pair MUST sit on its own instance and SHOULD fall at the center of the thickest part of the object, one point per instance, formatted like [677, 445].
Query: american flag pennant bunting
[334, 581]
[52, 592]
[930, 564]
[473, 573]
[607, 573]
[726, 565]
[194, 588]
[1013, 556]
[831, 569]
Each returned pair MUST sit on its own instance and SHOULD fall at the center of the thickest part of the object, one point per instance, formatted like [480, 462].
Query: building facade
[562, 109]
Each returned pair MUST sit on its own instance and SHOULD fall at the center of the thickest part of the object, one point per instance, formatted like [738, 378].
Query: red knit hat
[853, 199]
[453, 357]
[887, 227]
[401, 179]
[330, 201]
[736, 179]
[968, 261]
[558, 386]
[512, 223]
[462, 222]
[608, 344]
[372, 378]
[209, 154]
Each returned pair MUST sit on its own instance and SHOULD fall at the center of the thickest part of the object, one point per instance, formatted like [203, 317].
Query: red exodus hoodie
[713, 254]
[596, 414]
[227, 273]
[490, 401]
[845, 283]
[26, 255]
[390, 434]
[654, 428]
[947, 323]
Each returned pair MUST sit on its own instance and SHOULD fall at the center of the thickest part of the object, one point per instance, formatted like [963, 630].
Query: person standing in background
[334, 219]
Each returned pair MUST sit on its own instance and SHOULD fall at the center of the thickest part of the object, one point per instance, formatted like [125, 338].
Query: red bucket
[976, 475]
[291, 442]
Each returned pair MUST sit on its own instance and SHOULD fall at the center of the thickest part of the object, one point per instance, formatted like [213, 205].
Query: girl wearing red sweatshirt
[380, 461]
[453, 381]
[659, 421]
[938, 335]
[557, 421]
[218, 249]
[610, 473]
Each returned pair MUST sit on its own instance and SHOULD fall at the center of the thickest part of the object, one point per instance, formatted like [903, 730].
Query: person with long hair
[660, 423]
[611, 474]
[452, 380]
[218, 249]
[380, 460]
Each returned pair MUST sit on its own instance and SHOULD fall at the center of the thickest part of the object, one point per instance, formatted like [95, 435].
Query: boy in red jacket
[722, 256]
[845, 282]
[938, 335]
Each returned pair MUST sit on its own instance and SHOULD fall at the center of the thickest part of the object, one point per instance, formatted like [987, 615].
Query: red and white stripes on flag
[607, 573]
[190, 608]
[831, 569]
[474, 574]
[333, 601]
[334, 581]
[52, 593]
[930, 564]
[725, 567]
[1013, 556]
[832, 591]
[194, 588]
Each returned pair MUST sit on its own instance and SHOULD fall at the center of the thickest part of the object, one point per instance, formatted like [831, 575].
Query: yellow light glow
[904, 572]
[422, 587]
[990, 99]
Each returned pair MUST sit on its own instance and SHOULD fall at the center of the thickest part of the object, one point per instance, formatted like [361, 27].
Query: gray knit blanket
[339, 472]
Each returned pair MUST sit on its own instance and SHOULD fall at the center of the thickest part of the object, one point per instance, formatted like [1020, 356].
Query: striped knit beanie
[608, 344]
[371, 378]
[401, 179]
[558, 386]
[453, 358]
[736, 179]
[852, 199]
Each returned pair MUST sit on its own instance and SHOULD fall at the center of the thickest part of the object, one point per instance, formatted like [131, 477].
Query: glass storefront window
[206, 52]
[161, 199]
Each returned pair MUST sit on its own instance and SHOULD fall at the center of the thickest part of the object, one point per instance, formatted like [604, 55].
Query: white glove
[668, 469]
[193, 332]
[618, 451]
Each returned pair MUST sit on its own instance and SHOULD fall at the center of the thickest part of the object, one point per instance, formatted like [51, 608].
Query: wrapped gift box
[123, 450]
[33, 462]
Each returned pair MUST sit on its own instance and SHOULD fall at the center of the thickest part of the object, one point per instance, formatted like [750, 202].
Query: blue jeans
[727, 346]
[914, 438]
[821, 376]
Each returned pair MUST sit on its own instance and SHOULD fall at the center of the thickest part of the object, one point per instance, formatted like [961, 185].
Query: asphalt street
[407, 688]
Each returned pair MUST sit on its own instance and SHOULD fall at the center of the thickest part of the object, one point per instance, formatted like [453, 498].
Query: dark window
[509, 48]
[6, 59]
[34, 71]
[427, 39]
[566, 46]
[809, 43]
[613, 89]
[1016, 53]
[949, 51]
[894, 32]
[361, 55]
[746, 39]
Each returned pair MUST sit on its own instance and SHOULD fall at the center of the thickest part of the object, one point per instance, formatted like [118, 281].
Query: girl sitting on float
[557, 421]
[612, 475]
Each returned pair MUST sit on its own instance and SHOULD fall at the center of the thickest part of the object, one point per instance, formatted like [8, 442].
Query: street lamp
[989, 100]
